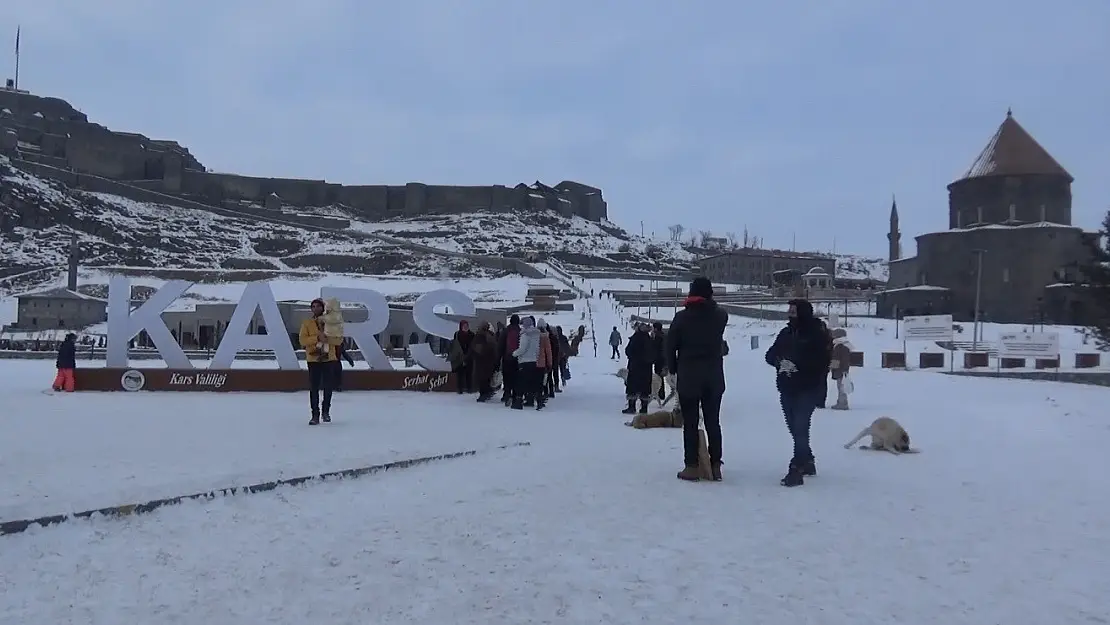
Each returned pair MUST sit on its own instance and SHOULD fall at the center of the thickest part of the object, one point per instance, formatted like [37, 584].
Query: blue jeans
[797, 409]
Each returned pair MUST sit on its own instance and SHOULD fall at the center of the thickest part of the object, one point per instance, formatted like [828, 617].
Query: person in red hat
[321, 362]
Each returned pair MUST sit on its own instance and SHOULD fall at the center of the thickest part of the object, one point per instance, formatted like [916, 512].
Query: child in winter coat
[330, 323]
[841, 363]
[66, 363]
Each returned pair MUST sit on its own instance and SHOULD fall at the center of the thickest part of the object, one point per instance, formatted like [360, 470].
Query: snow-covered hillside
[861, 268]
[573, 240]
[37, 218]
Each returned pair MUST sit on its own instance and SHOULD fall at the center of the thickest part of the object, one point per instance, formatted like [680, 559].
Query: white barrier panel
[1029, 345]
[927, 328]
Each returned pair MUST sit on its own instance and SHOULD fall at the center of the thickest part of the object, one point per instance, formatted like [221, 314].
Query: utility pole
[978, 295]
[16, 80]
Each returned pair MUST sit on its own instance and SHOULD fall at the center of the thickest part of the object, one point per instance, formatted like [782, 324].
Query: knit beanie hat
[701, 287]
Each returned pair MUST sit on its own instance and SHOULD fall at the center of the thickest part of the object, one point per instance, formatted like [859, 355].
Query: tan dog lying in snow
[886, 435]
[659, 419]
[673, 419]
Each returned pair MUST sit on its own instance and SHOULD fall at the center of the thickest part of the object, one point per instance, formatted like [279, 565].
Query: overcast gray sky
[795, 119]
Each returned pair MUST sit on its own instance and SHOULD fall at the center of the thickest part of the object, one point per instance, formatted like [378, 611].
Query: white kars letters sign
[125, 324]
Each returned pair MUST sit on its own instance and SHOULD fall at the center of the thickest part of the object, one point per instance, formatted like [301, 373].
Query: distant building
[1011, 211]
[757, 266]
[57, 309]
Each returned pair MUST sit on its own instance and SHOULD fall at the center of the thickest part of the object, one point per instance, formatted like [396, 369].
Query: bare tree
[747, 237]
[676, 231]
[733, 241]
[704, 236]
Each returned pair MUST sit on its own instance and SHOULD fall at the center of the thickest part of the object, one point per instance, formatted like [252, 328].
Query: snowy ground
[999, 520]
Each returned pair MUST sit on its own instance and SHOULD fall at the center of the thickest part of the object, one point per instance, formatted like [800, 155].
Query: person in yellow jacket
[320, 362]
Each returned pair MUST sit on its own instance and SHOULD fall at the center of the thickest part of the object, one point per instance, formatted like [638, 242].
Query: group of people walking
[530, 357]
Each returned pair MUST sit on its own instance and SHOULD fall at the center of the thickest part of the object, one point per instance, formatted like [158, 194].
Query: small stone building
[57, 309]
[817, 280]
[1009, 231]
[757, 267]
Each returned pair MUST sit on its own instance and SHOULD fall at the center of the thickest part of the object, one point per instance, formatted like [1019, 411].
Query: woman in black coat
[642, 354]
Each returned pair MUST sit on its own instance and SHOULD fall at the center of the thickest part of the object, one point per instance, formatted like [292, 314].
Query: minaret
[894, 237]
[74, 253]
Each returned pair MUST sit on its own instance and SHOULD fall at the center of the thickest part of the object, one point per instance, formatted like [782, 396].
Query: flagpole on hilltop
[15, 81]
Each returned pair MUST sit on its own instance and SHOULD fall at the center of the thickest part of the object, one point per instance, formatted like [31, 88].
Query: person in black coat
[659, 341]
[507, 342]
[66, 363]
[695, 351]
[801, 359]
[640, 352]
[553, 366]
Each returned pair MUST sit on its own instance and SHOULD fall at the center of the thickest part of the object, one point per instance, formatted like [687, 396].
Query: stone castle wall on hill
[52, 132]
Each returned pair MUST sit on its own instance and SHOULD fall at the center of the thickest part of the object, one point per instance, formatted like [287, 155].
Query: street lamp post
[978, 295]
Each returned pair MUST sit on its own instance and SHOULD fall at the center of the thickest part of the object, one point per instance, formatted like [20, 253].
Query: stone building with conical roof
[1011, 212]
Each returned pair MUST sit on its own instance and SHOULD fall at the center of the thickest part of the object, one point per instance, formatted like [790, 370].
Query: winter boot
[327, 418]
[794, 475]
[631, 409]
[809, 468]
[517, 404]
[315, 420]
[540, 403]
[643, 406]
[484, 397]
[715, 467]
[690, 474]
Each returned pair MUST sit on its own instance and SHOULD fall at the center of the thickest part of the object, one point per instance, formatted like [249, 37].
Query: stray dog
[673, 419]
[705, 471]
[886, 435]
[656, 382]
[659, 419]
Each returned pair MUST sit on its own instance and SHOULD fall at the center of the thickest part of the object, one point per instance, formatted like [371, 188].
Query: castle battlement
[50, 131]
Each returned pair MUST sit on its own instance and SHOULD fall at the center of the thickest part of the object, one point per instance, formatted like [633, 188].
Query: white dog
[886, 435]
[656, 382]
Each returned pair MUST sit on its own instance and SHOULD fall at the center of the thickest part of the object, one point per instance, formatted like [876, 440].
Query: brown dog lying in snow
[673, 419]
[659, 419]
